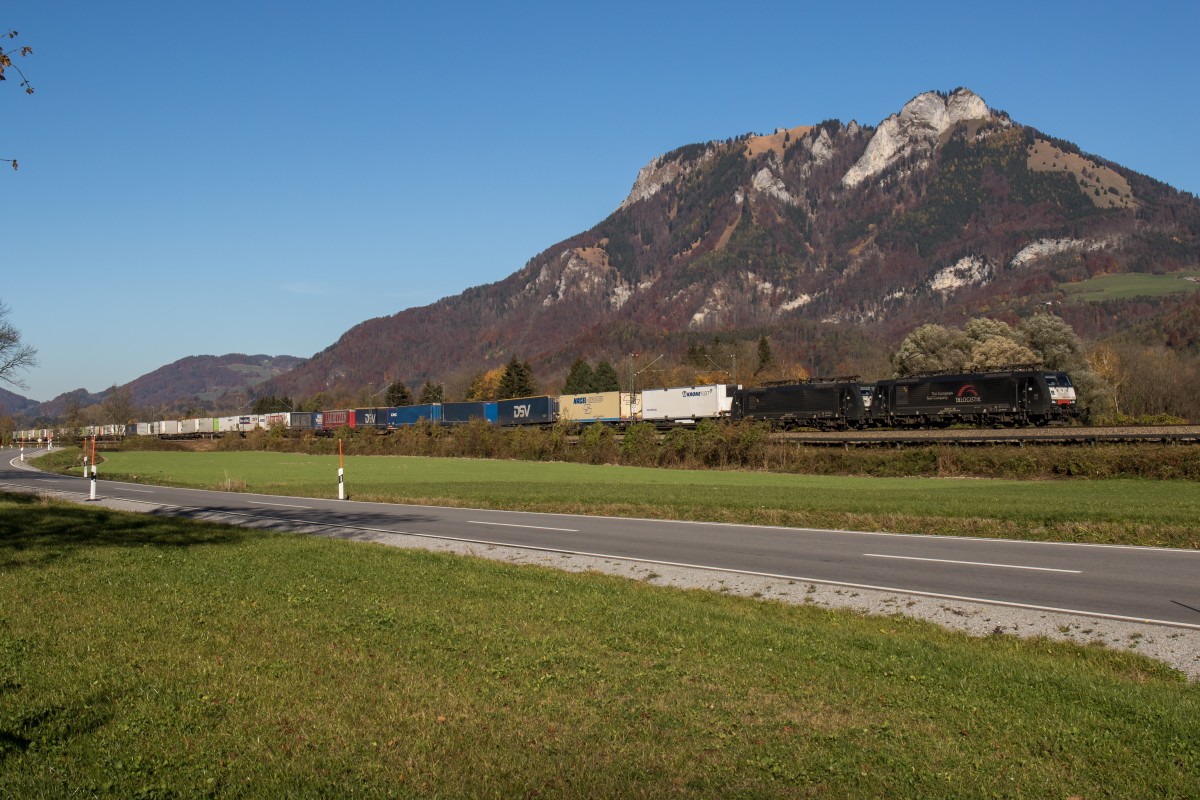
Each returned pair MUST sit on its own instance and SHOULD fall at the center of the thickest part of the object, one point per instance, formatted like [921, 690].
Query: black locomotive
[994, 398]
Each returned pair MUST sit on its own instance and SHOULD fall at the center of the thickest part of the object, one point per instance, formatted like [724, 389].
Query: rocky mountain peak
[918, 126]
[764, 232]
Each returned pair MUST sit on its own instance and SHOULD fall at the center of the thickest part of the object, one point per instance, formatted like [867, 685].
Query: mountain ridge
[834, 238]
[192, 382]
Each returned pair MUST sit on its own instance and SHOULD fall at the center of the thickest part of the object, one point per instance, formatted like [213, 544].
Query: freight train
[996, 398]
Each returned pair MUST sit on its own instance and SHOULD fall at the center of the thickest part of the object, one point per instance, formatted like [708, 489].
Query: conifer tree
[398, 395]
[432, 393]
[766, 358]
[605, 378]
[517, 380]
[579, 379]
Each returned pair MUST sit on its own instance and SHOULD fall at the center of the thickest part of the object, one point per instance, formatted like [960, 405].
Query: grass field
[1125, 286]
[153, 657]
[1122, 511]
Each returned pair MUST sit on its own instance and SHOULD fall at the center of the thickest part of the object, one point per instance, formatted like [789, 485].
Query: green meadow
[151, 657]
[1126, 511]
[1129, 285]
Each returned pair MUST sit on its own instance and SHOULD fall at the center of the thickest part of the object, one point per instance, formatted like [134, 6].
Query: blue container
[304, 420]
[458, 413]
[371, 417]
[411, 415]
[528, 411]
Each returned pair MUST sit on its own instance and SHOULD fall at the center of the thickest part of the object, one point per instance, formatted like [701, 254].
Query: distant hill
[13, 403]
[204, 379]
[834, 239]
[195, 382]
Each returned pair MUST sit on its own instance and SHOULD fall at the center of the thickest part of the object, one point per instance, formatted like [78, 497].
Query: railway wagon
[277, 419]
[685, 405]
[340, 418]
[197, 425]
[370, 418]
[403, 416]
[306, 421]
[609, 407]
[241, 423]
[825, 404]
[460, 413]
[541, 410]
[1014, 397]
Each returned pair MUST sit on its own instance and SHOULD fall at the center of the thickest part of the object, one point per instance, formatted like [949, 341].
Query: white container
[685, 405]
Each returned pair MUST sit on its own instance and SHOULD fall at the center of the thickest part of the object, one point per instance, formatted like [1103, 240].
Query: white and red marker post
[341, 474]
[92, 496]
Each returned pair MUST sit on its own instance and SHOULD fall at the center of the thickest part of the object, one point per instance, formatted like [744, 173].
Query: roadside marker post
[93, 493]
[341, 474]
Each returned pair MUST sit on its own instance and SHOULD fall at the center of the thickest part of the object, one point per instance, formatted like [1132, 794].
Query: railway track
[1174, 434]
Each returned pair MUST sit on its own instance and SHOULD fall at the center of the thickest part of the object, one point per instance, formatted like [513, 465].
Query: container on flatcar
[403, 416]
[597, 407]
[277, 419]
[305, 420]
[542, 410]
[371, 417]
[685, 405]
[143, 429]
[332, 420]
[228, 424]
[189, 425]
[631, 406]
[458, 413]
[825, 404]
[165, 427]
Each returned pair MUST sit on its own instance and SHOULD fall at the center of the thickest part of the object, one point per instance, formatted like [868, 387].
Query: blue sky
[259, 176]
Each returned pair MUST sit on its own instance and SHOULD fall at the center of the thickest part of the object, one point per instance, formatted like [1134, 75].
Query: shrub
[640, 447]
[599, 445]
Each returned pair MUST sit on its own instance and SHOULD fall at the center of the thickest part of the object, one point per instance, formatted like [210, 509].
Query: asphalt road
[1141, 584]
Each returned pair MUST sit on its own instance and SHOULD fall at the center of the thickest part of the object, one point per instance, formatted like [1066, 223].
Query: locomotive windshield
[1058, 379]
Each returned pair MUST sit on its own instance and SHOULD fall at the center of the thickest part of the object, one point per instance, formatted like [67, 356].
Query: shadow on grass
[34, 532]
[55, 724]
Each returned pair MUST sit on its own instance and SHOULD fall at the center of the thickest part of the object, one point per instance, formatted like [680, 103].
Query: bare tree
[13, 354]
[117, 406]
[6, 62]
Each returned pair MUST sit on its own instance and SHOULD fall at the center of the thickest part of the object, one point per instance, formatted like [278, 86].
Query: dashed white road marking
[975, 563]
[533, 527]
